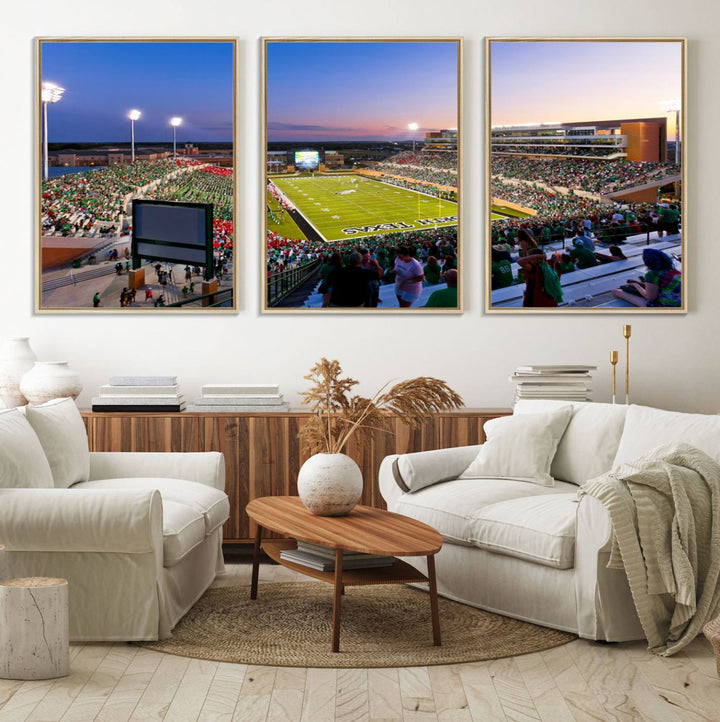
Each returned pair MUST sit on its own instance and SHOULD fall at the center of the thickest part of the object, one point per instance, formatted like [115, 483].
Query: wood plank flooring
[581, 681]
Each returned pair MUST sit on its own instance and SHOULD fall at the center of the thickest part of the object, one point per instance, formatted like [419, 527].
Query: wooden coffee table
[364, 529]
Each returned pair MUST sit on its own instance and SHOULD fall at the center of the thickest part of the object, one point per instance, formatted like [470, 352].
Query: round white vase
[330, 484]
[16, 359]
[49, 380]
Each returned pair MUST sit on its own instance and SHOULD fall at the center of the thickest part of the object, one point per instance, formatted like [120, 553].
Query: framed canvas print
[361, 175]
[585, 175]
[136, 175]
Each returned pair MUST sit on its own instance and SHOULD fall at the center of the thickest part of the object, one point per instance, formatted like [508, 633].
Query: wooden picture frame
[585, 175]
[141, 119]
[361, 152]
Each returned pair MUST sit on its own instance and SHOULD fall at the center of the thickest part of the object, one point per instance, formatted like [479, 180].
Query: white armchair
[137, 536]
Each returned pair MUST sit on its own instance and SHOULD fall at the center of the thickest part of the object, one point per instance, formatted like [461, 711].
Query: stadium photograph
[585, 175]
[361, 175]
[144, 127]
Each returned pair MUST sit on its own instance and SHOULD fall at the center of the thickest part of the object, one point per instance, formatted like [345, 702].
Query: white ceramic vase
[16, 359]
[49, 380]
[330, 484]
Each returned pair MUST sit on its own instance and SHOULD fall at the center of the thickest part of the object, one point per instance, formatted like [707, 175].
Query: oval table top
[364, 529]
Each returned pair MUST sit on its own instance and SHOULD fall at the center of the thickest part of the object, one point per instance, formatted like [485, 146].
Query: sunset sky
[360, 90]
[576, 81]
[103, 81]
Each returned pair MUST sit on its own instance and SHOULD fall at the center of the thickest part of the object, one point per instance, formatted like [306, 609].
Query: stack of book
[564, 382]
[240, 398]
[140, 393]
[322, 558]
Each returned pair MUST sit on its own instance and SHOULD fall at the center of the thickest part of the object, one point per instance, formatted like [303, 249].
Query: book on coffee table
[351, 560]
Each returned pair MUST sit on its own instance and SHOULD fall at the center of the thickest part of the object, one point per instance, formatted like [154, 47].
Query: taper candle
[613, 360]
[627, 331]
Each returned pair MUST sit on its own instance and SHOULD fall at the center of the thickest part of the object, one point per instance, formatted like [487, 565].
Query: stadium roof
[578, 124]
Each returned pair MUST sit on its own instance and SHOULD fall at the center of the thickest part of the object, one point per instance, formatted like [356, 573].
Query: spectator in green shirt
[446, 297]
[501, 271]
[432, 271]
[584, 256]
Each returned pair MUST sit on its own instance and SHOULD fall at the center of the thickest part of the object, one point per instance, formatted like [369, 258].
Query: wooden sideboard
[262, 452]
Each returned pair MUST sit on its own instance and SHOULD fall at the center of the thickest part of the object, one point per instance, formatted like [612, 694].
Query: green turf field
[286, 227]
[348, 206]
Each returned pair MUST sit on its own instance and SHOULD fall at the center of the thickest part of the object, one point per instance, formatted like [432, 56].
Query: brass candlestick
[613, 361]
[627, 331]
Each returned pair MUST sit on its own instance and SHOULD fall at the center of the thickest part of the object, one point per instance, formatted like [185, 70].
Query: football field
[348, 206]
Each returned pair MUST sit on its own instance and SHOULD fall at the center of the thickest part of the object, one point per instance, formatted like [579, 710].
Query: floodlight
[133, 115]
[51, 93]
[674, 106]
[175, 122]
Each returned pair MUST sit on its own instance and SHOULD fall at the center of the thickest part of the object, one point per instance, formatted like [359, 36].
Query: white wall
[674, 357]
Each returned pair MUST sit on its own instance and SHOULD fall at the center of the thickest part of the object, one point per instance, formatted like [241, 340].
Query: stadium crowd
[73, 203]
[437, 167]
[609, 224]
[595, 151]
[598, 177]
[208, 184]
[434, 250]
[661, 285]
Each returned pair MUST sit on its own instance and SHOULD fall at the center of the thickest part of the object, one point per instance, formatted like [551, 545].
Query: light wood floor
[578, 681]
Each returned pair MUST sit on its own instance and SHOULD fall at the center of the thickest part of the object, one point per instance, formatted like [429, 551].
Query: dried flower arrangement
[339, 415]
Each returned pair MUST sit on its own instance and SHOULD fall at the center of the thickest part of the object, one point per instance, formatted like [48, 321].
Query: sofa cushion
[591, 439]
[212, 504]
[23, 463]
[62, 433]
[520, 447]
[422, 468]
[540, 529]
[183, 530]
[647, 428]
[453, 508]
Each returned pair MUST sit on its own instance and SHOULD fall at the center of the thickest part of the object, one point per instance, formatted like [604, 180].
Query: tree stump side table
[34, 628]
[712, 632]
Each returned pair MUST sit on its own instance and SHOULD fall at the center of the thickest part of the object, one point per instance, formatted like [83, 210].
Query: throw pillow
[423, 468]
[22, 460]
[61, 431]
[520, 447]
[590, 442]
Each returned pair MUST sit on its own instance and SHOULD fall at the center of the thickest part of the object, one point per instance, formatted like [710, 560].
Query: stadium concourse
[76, 288]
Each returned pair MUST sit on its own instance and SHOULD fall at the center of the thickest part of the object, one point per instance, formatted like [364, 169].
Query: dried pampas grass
[339, 415]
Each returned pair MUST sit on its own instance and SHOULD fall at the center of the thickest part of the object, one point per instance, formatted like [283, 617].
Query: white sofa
[539, 553]
[138, 536]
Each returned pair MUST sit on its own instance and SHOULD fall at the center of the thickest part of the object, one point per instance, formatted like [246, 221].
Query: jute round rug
[289, 625]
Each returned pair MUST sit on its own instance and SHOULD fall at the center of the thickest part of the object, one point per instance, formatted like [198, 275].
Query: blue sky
[546, 81]
[105, 80]
[343, 90]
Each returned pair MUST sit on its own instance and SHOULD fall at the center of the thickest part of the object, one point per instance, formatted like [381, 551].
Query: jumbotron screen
[307, 159]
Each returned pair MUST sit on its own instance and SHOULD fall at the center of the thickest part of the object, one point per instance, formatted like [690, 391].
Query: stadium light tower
[175, 122]
[50, 93]
[673, 106]
[413, 127]
[133, 115]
